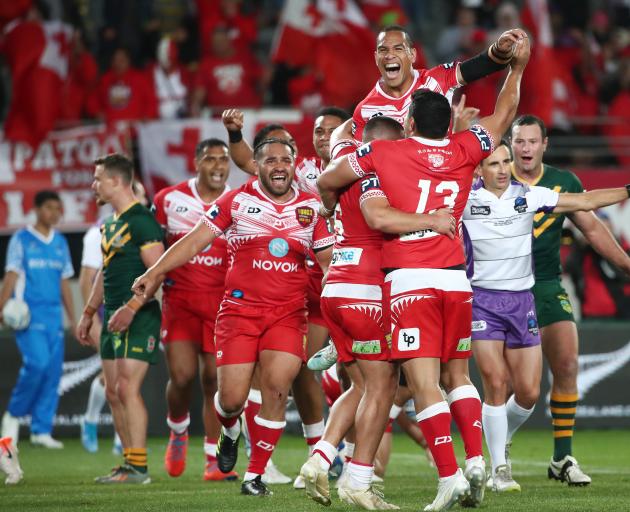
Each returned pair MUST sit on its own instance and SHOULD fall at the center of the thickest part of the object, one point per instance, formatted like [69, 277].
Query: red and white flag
[334, 39]
[167, 150]
[537, 89]
[38, 54]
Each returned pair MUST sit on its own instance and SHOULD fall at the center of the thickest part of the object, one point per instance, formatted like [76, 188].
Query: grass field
[62, 480]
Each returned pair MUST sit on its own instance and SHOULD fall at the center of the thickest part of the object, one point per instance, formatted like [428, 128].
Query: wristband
[89, 310]
[628, 189]
[479, 66]
[134, 304]
[235, 136]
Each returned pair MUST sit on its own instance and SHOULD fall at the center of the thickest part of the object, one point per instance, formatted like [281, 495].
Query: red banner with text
[63, 162]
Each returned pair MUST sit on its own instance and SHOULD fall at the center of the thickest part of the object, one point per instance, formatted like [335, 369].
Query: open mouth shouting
[392, 71]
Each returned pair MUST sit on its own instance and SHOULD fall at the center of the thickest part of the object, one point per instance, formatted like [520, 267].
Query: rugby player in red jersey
[270, 226]
[192, 294]
[352, 304]
[395, 55]
[306, 390]
[430, 296]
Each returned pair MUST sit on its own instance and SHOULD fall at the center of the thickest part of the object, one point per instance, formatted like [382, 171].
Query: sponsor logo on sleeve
[482, 136]
[408, 339]
[305, 215]
[370, 183]
[237, 294]
[479, 210]
[520, 204]
[213, 212]
[364, 150]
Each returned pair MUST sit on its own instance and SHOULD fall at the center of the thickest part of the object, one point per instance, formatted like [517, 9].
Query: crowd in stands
[166, 59]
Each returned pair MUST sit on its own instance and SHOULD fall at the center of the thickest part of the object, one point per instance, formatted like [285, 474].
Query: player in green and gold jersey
[553, 309]
[131, 242]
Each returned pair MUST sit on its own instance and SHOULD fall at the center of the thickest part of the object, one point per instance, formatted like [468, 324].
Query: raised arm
[586, 201]
[494, 59]
[507, 101]
[240, 151]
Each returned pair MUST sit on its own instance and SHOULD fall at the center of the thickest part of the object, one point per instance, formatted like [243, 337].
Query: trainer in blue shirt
[37, 271]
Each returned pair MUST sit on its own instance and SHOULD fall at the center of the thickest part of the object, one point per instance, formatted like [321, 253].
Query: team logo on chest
[436, 159]
[305, 215]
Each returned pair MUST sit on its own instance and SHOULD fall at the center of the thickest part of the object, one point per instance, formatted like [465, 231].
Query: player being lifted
[498, 222]
[192, 294]
[395, 56]
[270, 227]
[431, 297]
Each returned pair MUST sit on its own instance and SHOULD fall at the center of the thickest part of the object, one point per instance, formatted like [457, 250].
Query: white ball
[16, 314]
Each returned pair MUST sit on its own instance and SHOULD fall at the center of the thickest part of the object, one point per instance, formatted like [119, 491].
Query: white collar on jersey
[431, 142]
[294, 187]
[44, 239]
[416, 75]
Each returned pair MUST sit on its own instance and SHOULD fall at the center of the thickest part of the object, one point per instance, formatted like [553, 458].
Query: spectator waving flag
[333, 39]
[38, 56]
[537, 94]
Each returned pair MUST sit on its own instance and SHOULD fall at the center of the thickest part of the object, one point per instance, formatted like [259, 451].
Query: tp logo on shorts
[408, 339]
[151, 344]
[279, 247]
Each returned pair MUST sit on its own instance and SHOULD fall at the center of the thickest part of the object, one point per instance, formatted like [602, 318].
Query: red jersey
[442, 79]
[357, 251]
[230, 81]
[126, 97]
[178, 209]
[307, 170]
[267, 243]
[422, 175]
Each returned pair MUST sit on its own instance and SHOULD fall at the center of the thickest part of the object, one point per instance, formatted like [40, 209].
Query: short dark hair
[273, 140]
[431, 112]
[529, 120]
[209, 143]
[333, 111]
[116, 163]
[264, 132]
[397, 28]
[380, 124]
[45, 195]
